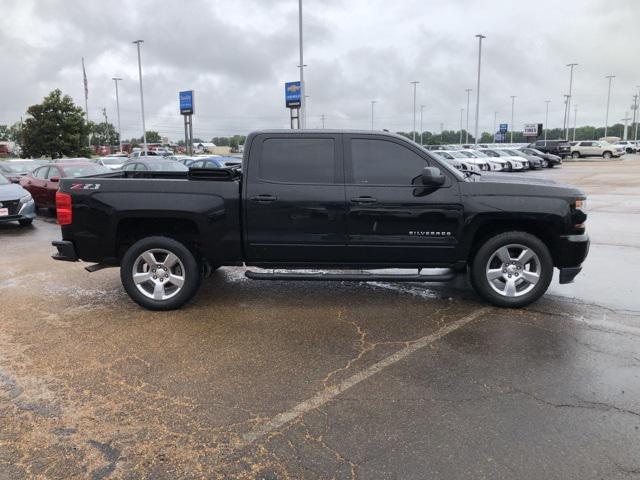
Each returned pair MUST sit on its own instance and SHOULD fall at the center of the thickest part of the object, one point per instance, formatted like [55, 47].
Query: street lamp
[495, 125]
[144, 129]
[546, 120]
[575, 121]
[479, 37]
[513, 101]
[568, 105]
[461, 112]
[421, 129]
[373, 102]
[115, 81]
[414, 83]
[302, 112]
[606, 118]
[468, 90]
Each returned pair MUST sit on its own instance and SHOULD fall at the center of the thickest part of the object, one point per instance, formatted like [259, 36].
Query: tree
[4, 133]
[103, 134]
[56, 128]
[153, 137]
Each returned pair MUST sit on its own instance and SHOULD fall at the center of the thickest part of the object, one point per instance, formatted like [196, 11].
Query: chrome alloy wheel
[158, 274]
[513, 270]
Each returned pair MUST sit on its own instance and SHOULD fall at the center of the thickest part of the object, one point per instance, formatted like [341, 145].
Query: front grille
[12, 205]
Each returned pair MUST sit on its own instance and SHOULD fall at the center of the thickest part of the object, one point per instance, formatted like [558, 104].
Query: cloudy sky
[237, 54]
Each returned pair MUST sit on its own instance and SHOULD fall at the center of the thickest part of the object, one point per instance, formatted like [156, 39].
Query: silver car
[16, 204]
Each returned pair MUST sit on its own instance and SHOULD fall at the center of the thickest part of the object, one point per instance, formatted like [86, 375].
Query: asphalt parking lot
[273, 380]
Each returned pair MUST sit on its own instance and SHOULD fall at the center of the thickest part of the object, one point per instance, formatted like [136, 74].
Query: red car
[42, 183]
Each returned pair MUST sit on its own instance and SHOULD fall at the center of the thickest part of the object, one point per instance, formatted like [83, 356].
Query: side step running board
[357, 277]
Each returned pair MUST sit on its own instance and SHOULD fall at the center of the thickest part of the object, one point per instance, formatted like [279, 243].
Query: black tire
[575, 154]
[25, 222]
[606, 155]
[545, 164]
[480, 264]
[191, 274]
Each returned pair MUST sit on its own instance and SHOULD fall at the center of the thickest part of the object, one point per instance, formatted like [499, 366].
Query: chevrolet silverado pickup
[325, 205]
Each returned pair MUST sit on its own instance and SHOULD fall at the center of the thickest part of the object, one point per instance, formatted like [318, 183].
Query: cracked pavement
[275, 380]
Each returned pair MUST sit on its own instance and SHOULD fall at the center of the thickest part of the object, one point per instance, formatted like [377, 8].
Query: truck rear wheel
[159, 273]
[512, 269]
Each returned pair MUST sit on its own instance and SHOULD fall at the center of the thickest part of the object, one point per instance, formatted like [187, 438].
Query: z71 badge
[85, 186]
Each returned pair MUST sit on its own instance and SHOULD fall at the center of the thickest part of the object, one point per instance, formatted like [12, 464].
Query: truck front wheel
[159, 273]
[512, 269]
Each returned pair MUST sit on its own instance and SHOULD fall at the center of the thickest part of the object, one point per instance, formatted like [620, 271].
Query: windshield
[500, 153]
[18, 167]
[112, 161]
[456, 154]
[3, 180]
[166, 166]
[83, 170]
[514, 153]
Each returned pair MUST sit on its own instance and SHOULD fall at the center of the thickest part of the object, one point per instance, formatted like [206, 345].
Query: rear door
[50, 188]
[294, 199]
[36, 185]
[586, 148]
[390, 218]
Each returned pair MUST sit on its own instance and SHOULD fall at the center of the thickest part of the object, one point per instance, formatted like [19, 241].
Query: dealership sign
[293, 94]
[503, 128]
[530, 130]
[186, 102]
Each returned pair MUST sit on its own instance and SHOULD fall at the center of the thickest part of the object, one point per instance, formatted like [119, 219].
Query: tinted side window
[298, 160]
[586, 144]
[380, 162]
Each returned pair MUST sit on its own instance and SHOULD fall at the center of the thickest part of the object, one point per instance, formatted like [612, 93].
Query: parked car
[16, 204]
[561, 148]
[388, 203]
[14, 170]
[154, 165]
[215, 162]
[513, 163]
[552, 160]
[42, 183]
[466, 162]
[535, 163]
[596, 148]
[494, 164]
[458, 163]
[114, 163]
[628, 145]
[140, 153]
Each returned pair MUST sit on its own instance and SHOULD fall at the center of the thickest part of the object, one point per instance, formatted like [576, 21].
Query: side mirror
[432, 177]
[54, 179]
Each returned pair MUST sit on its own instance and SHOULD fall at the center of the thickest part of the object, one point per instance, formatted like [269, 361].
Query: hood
[514, 178]
[13, 191]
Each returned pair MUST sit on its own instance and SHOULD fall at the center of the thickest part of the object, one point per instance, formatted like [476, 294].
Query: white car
[515, 163]
[629, 145]
[113, 163]
[458, 160]
[596, 148]
[480, 160]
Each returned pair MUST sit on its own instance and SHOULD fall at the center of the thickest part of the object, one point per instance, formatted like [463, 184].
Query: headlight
[27, 198]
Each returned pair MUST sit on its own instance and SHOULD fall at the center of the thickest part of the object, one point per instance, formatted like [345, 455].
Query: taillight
[63, 208]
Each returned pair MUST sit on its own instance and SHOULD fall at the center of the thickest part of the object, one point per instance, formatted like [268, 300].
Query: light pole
[322, 118]
[421, 129]
[479, 37]
[625, 119]
[373, 102]
[414, 83]
[575, 121]
[461, 112]
[495, 125]
[635, 110]
[115, 81]
[144, 129]
[302, 112]
[513, 101]
[468, 90]
[571, 66]
[606, 118]
[565, 119]
[546, 120]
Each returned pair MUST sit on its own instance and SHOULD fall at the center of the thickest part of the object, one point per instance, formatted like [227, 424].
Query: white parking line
[331, 392]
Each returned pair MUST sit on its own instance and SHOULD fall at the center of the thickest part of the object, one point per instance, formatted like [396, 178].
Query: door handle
[365, 199]
[264, 198]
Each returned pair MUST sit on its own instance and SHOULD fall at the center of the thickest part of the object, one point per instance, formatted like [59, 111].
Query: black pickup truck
[350, 204]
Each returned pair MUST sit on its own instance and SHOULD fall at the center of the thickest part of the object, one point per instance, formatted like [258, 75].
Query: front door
[36, 185]
[294, 199]
[391, 219]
